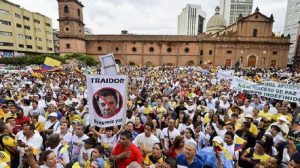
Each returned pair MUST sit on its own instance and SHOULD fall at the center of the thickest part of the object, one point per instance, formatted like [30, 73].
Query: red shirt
[21, 121]
[135, 155]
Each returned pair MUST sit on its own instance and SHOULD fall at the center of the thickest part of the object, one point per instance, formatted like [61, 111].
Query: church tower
[71, 27]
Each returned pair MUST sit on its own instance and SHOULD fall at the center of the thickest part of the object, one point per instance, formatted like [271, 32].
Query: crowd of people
[181, 117]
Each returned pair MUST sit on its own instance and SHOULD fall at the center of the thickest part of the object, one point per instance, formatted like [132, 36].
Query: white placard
[107, 96]
[108, 64]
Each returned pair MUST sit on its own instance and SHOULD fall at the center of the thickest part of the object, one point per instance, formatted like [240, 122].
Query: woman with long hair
[210, 134]
[189, 136]
[177, 147]
[138, 125]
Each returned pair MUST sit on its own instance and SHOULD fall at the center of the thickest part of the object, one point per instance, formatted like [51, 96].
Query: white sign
[225, 74]
[108, 65]
[280, 91]
[107, 99]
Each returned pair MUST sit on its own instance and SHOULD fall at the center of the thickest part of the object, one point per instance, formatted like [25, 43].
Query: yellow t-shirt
[253, 129]
[288, 117]
[8, 142]
[148, 161]
[4, 157]
[267, 115]
[39, 126]
[160, 111]
[262, 158]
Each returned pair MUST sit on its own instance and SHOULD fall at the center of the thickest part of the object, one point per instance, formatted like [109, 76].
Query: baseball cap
[53, 115]
[249, 116]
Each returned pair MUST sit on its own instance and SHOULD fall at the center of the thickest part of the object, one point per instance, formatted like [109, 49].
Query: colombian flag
[239, 143]
[50, 63]
[219, 148]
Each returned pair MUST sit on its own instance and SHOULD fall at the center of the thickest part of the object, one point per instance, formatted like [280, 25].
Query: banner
[107, 99]
[225, 74]
[270, 89]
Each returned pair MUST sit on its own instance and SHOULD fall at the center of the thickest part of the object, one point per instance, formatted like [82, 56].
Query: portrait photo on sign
[107, 102]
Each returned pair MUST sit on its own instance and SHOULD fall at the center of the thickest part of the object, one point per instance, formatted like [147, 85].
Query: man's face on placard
[107, 105]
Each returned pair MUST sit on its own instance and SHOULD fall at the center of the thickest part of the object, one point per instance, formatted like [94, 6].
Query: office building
[23, 32]
[297, 53]
[191, 20]
[291, 26]
[231, 9]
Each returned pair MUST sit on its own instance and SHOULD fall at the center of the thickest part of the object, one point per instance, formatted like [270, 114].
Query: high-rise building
[23, 32]
[191, 20]
[291, 26]
[231, 9]
[297, 54]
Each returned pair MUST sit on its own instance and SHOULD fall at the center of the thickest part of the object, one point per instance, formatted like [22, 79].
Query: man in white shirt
[168, 135]
[52, 124]
[230, 146]
[61, 152]
[247, 109]
[30, 138]
[77, 142]
[146, 140]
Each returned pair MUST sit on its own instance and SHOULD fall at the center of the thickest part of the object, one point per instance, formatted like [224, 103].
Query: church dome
[216, 22]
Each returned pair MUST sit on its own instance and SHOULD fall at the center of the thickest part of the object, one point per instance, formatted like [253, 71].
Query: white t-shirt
[166, 138]
[104, 140]
[144, 142]
[48, 124]
[36, 141]
[60, 154]
[231, 150]
[77, 143]
[247, 110]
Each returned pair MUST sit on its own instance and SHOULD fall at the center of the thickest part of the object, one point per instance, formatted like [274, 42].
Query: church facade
[249, 42]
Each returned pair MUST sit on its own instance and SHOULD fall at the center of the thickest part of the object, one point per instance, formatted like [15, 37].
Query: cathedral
[249, 42]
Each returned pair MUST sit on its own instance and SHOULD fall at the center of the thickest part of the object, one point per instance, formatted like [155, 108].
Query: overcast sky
[144, 16]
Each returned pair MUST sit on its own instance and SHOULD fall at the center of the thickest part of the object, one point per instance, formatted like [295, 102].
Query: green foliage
[39, 59]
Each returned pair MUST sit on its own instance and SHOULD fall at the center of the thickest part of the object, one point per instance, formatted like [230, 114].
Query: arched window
[117, 49]
[133, 49]
[254, 32]
[66, 9]
[78, 12]
[151, 49]
[186, 50]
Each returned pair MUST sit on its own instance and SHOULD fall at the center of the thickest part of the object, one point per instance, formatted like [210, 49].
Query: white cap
[53, 115]
[218, 139]
[283, 118]
[249, 116]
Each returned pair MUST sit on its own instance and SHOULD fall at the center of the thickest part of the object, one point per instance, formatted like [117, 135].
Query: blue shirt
[181, 160]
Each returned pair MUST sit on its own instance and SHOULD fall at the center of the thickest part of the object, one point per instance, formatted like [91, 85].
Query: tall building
[292, 18]
[231, 9]
[23, 32]
[297, 53]
[191, 20]
[71, 26]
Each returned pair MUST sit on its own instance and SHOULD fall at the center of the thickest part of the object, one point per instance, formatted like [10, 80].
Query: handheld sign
[107, 99]
[108, 64]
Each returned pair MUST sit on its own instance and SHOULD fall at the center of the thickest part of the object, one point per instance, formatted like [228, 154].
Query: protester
[172, 112]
